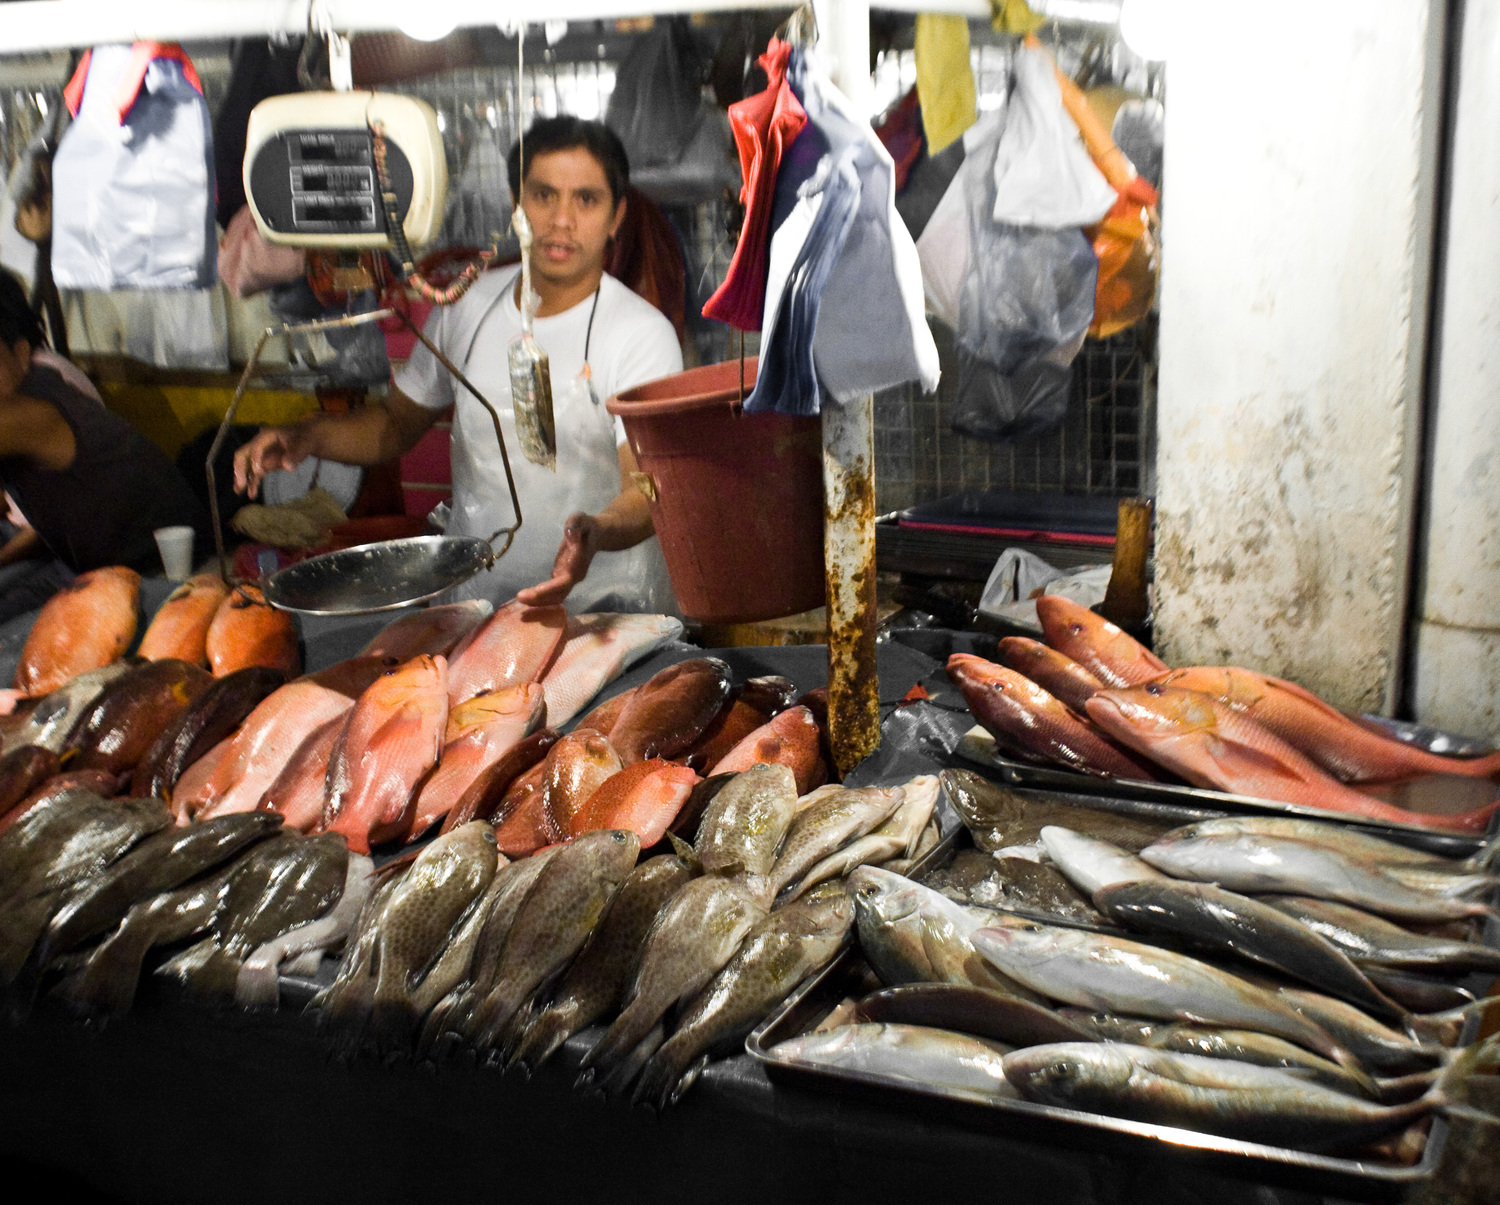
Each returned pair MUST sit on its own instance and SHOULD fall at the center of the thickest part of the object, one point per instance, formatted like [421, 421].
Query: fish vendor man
[586, 520]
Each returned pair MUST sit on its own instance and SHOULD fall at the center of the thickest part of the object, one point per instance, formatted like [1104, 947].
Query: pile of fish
[1094, 700]
[1264, 978]
[681, 953]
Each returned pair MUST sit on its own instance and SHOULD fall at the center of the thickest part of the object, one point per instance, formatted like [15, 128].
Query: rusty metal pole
[849, 469]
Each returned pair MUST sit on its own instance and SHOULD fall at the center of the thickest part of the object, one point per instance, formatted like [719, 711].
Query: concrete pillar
[1456, 679]
[1300, 165]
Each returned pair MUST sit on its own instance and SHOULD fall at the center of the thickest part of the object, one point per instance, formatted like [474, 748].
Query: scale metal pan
[378, 577]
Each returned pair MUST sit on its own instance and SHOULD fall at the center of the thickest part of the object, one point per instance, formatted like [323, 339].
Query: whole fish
[513, 646]
[118, 728]
[1254, 863]
[454, 964]
[1212, 746]
[792, 738]
[1113, 657]
[48, 724]
[1373, 941]
[556, 918]
[162, 862]
[263, 746]
[933, 1058]
[1014, 706]
[643, 799]
[458, 1013]
[597, 649]
[246, 630]
[1112, 974]
[598, 977]
[22, 771]
[389, 743]
[483, 797]
[60, 867]
[1244, 1045]
[735, 721]
[979, 1012]
[278, 886]
[1056, 673]
[1091, 864]
[779, 953]
[1213, 919]
[420, 915]
[743, 825]
[210, 718]
[577, 766]
[670, 711]
[911, 934]
[257, 984]
[819, 830]
[1220, 1096]
[898, 837]
[84, 626]
[1330, 835]
[694, 935]
[1376, 1046]
[479, 733]
[179, 629]
[297, 791]
[1341, 746]
[432, 631]
[602, 717]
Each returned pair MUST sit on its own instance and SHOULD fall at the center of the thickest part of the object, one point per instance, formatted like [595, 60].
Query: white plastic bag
[1043, 175]
[133, 178]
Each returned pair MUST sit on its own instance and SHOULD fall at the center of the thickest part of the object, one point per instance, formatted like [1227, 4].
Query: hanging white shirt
[629, 342]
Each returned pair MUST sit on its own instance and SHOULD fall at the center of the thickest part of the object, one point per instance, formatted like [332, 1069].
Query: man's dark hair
[17, 321]
[563, 134]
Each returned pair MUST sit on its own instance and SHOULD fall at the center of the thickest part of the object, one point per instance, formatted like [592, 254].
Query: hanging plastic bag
[133, 176]
[249, 265]
[1043, 175]
[658, 98]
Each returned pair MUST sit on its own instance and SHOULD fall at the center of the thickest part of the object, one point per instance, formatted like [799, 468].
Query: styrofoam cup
[176, 547]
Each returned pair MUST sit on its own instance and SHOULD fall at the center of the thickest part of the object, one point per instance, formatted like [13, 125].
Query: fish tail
[628, 1029]
[1403, 1088]
[659, 1081]
[1484, 857]
[617, 1082]
[542, 1039]
[204, 969]
[441, 1029]
[1448, 1094]
[106, 984]
[393, 1025]
[1444, 1027]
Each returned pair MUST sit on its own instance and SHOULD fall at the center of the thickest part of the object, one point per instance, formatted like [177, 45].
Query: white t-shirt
[629, 343]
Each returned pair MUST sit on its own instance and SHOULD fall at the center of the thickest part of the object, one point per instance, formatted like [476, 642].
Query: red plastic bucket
[739, 497]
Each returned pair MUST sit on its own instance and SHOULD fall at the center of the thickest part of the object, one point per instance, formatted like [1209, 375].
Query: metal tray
[1361, 1178]
[977, 749]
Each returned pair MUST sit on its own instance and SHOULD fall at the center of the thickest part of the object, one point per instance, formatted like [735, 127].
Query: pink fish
[596, 650]
[1213, 746]
[389, 744]
[435, 631]
[262, 747]
[297, 792]
[515, 645]
[790, 739]
[644, 799]
[479, 733]
[1111, 655]
[195, 778]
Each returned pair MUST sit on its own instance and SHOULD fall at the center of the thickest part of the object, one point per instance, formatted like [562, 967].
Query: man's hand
[273, 448]
[574, 556]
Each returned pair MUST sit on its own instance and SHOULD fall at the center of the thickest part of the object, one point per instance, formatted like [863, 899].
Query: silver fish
[1219, 1096]
[692, 938]
[1091, 863]
[1255, 863]
[1370, 939]
[933, 1058]
[779, 953]
[1119, 976]
[1352, 841]
[1377, 1046]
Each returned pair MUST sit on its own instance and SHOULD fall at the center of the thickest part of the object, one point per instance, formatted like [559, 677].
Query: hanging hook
[801, 28]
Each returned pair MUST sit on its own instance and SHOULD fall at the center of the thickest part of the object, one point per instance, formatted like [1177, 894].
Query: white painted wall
[1457, 670]
[1298, 194]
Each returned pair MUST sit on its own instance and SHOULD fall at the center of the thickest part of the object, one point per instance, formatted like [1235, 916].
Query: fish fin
[1237, 760]
[1484, 857]
[625, 1070]
[684, 851]
[1446, 1094]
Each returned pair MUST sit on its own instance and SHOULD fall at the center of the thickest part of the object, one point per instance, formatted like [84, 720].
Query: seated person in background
[89, 485]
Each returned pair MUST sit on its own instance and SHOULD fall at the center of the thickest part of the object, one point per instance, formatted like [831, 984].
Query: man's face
[567, 200]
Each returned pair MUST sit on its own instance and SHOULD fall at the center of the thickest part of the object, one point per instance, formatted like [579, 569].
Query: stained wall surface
[1299, 186]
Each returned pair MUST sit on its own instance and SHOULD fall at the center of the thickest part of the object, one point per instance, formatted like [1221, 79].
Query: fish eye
[619, 837]
[1155, 688]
